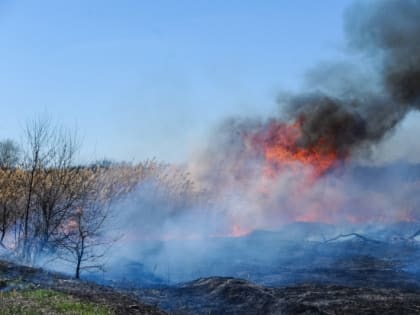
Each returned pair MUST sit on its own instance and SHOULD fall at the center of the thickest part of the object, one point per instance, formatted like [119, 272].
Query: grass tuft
[41, 301]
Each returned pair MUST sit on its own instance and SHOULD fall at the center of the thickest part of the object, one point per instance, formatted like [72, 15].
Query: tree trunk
[80, 254]
[26, 224]
[79, 261]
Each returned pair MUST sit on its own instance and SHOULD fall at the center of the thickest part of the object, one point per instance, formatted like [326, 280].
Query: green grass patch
[34, 302]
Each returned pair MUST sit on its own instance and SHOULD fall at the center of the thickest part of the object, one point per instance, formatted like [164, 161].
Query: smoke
[388, 30]
[267, 173]
[289, 168]
[353, 109]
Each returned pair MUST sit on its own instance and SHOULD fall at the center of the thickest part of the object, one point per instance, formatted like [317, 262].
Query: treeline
[51, 206]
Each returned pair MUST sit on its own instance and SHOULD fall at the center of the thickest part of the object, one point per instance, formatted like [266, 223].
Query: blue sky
[150, 78]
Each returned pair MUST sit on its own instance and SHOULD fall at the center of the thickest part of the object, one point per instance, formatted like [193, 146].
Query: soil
[229, 296]
[16, 277]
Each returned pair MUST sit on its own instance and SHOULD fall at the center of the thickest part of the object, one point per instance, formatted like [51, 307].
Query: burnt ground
[355, 285]
[235, 296]
[223, 295]
[16, 277]
[351, 277]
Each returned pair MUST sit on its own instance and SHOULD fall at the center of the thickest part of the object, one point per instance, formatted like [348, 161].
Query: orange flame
[281, 148]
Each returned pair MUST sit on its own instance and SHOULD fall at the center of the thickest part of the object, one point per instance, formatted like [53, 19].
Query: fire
[280, 144]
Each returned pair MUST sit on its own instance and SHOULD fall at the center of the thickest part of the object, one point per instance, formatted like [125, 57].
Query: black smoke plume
[358, 110]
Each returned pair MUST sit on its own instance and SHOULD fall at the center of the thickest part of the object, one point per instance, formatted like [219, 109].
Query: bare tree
[10, 194]
[50, 187]
[37, 134]
[86, 232]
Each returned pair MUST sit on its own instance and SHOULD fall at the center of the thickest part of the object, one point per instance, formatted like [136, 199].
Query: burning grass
[283, 147]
